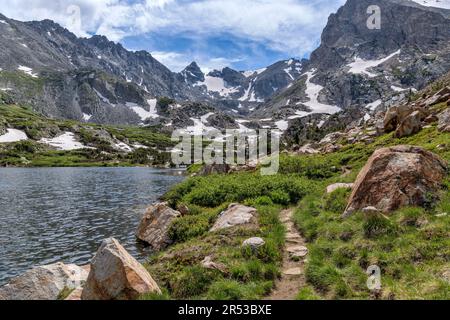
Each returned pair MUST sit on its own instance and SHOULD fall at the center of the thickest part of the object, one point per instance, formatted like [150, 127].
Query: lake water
[62, 214]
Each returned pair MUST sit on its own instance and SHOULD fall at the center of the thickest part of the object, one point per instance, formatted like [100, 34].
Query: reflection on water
[62, 214]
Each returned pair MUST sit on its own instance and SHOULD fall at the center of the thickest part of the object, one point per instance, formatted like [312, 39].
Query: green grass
[32, 154]
[412, 247]
[248, 274]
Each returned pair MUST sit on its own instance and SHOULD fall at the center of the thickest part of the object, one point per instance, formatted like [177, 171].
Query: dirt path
[292, 277]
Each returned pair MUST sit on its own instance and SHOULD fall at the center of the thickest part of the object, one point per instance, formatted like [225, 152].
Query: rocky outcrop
[44, 282]
[410, 125]
[235, 215]
[116, 275]
[254, 243]
[154, 226]
[444, 121]
[396, 177]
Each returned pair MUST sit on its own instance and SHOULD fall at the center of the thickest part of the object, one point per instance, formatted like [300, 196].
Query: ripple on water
[62, 214]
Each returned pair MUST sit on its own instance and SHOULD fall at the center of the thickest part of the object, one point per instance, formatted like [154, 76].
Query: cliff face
[368, 68]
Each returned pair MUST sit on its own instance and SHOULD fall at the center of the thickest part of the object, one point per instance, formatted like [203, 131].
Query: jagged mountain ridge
[243, 90]
[355, 70]
[98, 80]
[359, 68]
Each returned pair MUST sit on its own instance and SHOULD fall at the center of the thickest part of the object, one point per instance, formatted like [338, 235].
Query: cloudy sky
[243, 34]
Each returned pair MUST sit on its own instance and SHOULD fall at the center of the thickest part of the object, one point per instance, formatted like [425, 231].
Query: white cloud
[290, 26]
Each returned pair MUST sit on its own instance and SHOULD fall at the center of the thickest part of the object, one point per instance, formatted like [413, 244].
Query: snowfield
[312, 91]
[86, 117]
[65, 142]
[215, 84]
[372, 106]
[200, 126]
[141, 112]
[360, 66]
[13, 135]
[282, 125]
[28, 71]
[444, 4]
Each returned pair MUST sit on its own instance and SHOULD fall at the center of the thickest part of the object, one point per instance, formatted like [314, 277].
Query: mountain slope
[356, 67]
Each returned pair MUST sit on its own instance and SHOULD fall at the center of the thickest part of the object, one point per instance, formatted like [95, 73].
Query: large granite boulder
[44, 282]
[116, 275]
[444, 121]
[410, 125]
[155, 224]
[395, 115]
[235, 215]
[396, 177]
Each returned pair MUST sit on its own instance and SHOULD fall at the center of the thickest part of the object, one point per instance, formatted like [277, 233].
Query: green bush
[260, 201]
[189, 227]
[377, 226]
[192, 282]
[214, 190]
[280, 197]
[336, 201]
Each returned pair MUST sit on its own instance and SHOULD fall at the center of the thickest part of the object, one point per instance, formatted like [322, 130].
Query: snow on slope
[141, 112]
[444, 4]
[86, 117]
[13, 135]
[28, 71]
[215, 84]
[360, 66]
[374, 105]
[312, 91]
[200, 126]
[65, 142]
[252, 72]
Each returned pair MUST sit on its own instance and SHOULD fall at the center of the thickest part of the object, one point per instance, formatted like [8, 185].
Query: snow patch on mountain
[312, 91]
[103, 98]
[443, 4]
[28, 71]
[360, 66]
[86, 117]
[141, 112]
[246, 95]
[282, 125]
[13, 135]
[216, 84]
[65, 142]
[372, 106]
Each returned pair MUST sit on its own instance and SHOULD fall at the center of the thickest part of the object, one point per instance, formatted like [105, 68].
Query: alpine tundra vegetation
[360, 205]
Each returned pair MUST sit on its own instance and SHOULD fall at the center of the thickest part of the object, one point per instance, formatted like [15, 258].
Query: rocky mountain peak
[193, 74]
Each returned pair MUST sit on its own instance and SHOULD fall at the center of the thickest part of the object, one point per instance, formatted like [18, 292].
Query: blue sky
[243, 34]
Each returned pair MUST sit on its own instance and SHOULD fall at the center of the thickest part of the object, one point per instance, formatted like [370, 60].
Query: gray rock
[444, 121]
[254, 243]
[412, 124]
[297, 252]
[44, 282]
[116, 275]
[235, 215]
[154, 226]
